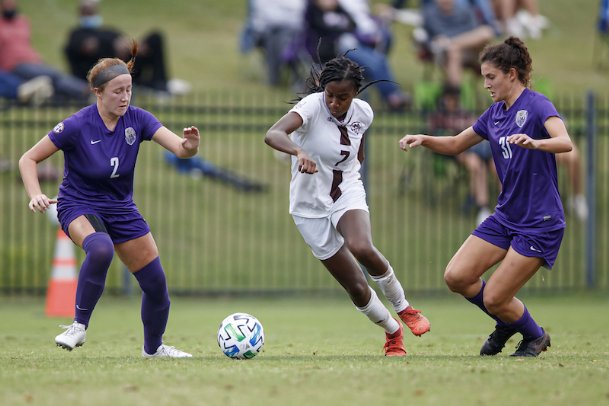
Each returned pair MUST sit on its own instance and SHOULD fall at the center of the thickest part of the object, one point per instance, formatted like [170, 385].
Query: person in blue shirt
[95, 206]
[525, 232]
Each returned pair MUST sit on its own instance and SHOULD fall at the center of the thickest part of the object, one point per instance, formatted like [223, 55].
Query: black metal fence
[221, 221]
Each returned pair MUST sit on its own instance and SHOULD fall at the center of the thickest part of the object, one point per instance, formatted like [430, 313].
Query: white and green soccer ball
[240, 336]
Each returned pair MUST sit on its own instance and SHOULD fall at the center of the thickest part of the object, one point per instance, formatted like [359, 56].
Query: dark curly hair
[511, 53]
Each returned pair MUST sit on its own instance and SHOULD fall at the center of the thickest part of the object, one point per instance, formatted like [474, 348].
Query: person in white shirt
[324, 134]
[274, 27]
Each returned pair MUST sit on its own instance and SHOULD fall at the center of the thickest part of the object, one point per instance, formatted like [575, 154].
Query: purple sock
[527, 326]
[155, 304]
[478, 300]
[92, 276]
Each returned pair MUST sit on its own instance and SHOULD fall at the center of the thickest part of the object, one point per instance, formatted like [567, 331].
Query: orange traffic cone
[61, 293]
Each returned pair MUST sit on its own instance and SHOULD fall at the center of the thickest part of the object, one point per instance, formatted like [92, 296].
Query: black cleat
[496, 341]
[532, 348]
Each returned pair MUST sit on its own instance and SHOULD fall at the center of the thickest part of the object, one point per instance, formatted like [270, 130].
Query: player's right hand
[40, 203]
[306, 164]
[410, 141]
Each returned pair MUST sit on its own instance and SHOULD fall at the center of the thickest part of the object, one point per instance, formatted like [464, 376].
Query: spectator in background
[331, 31]
[455, 36]
[275, 27]
[34, 91]
[19, 58]
[577, 202]
[197, 166]
[91, 41]
[485, 12]
[451, 119]
[520, 18]
[370, 29]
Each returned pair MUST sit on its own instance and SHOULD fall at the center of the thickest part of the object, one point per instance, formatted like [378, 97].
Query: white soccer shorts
[321, 234]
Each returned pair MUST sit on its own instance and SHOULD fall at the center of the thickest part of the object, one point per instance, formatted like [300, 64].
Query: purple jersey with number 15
[99, 164]
[529, 199]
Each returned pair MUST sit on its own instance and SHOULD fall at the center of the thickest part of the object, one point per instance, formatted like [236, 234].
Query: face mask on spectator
[9, 14]
[94, 21]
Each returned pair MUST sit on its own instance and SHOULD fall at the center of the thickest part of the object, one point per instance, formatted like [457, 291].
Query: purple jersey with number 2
[99, 163]
[529, 199]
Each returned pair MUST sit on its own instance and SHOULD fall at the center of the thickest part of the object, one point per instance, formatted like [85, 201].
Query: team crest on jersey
[521, 117]
[356, 127]
[58, 128]
[130, 135]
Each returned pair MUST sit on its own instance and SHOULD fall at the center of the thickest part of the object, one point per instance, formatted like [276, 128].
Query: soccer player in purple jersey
[525, 231]
[324, 133]
[95, 206]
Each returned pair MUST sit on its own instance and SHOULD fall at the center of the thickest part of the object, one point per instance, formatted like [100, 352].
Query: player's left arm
[360, 152]
[558, 142]
[183, 147]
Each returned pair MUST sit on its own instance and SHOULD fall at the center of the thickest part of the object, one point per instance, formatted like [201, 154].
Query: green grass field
[317, 352]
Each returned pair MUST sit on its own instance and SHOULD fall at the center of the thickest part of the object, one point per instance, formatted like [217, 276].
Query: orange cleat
[394, 343]
[416, 322]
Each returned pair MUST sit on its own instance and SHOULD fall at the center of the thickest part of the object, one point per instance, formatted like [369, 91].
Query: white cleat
[73, 337]
[166, 351]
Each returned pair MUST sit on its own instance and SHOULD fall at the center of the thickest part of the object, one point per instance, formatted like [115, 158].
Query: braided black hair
[335, 70]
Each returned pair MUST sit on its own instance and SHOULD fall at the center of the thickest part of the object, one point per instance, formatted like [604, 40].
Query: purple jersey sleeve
[65, 133]
[481, 124]
[545, 110]
[149, 123]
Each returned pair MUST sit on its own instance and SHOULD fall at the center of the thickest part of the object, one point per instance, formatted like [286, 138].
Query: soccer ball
[240, 336]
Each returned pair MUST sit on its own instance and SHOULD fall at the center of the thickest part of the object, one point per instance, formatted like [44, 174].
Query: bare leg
[499, 296]
[469, 263]
[345, 269]
[355, 228]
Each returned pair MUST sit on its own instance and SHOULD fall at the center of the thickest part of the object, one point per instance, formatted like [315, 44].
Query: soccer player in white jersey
[525, 232]
[324, 133]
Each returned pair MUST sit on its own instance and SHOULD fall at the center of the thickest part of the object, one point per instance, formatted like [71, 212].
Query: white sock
[392, 289]
[376, 311]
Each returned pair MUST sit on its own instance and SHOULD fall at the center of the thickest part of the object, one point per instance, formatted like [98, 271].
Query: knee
[359, 292]
[152, 281]
[457, 280]
[361, 249]
[99, 247]
[493, 302]
[451, 280]
[159, 280]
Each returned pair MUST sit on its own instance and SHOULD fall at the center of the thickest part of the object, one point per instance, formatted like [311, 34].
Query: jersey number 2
[114, 164]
